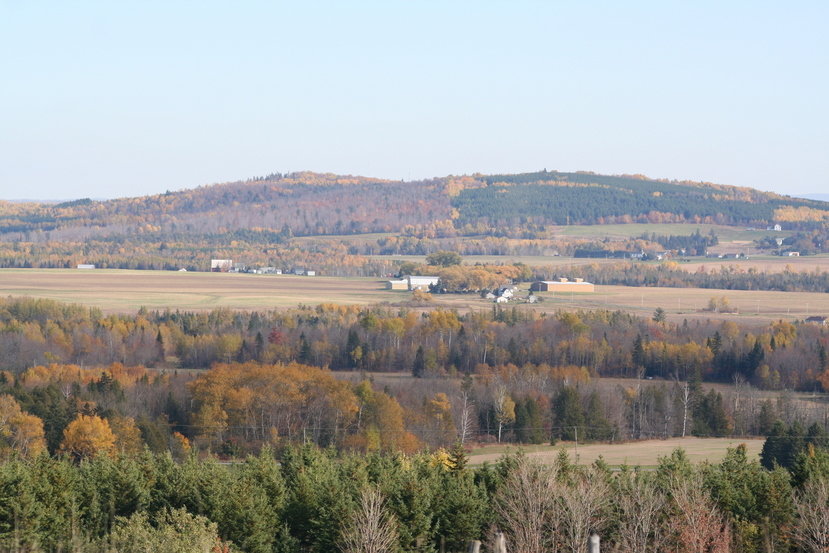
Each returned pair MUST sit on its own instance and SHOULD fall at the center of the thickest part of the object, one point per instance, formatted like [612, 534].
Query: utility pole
[576, 431]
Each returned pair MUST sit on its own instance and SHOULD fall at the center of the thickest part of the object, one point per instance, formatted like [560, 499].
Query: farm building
[562, 285]
[86, 266]
[221, 265]
[421, 282]
[401, 284]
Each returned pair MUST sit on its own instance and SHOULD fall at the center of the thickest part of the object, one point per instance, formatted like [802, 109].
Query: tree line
[305, 499]
[383, 379]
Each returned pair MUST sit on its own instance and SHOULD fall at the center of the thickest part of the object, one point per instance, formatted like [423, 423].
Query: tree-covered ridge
[305, 203]
[312, 204]
[586, 198]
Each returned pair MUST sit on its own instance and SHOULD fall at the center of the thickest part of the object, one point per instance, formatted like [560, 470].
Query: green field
[725, 233]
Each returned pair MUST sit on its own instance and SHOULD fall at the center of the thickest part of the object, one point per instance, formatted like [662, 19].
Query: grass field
[531, 260]
[123, 291]
[724, 233]
[764, 263]
[645, 453]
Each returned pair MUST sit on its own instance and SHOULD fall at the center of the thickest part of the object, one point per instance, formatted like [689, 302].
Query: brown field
[121, 291]
[679, 303]
[644, 453]
[124, 291]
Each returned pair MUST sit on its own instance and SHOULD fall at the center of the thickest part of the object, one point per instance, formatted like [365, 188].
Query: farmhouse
[563, 285]
[221, 265]
[421, 282]
[401, 284]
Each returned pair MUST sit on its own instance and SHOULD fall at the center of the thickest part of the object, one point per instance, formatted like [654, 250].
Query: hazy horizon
[113, 100]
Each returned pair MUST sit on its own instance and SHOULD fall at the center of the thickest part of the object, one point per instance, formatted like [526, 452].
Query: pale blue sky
[111, 98]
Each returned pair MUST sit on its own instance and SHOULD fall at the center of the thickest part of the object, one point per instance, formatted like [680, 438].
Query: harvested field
[120, 291]
[690, 302]
[644, 453]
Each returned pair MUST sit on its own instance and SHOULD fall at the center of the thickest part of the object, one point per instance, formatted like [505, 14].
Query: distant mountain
[269, 209]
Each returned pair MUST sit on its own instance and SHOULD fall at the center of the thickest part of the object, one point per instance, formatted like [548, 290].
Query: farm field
[121, 291]
[124, 291]
[531, 260]
[765, 263]
[725, 233]
[688, 303]
[645, 453]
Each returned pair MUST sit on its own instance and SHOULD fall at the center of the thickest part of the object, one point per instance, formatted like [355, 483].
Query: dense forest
[304, 499]
[231, 382]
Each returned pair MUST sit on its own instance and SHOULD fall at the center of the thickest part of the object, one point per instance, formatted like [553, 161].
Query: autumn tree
[444, 258]
[20, 432]
[87, 436]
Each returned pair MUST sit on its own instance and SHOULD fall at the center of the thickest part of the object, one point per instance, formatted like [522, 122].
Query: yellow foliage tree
[127, 435]
[19, 431]
[87, 436]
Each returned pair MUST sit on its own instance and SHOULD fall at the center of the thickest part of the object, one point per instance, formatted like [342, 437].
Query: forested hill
[586, 198]
[278, 206]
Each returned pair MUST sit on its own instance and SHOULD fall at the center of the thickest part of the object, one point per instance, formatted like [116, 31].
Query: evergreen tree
[568, 414]
[419, 365]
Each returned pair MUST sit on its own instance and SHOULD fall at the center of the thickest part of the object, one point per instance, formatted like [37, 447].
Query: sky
[112, 99]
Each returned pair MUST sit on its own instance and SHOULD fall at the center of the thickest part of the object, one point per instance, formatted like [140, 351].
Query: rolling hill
[272, 208]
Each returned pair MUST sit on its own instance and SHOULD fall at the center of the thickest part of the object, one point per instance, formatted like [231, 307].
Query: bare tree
[699, 525]
[526, 504]
[641, 506]
[371, 529]
[504, 408]
[584, 502]
[685, 399]
[465, 421]
[812, 531]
